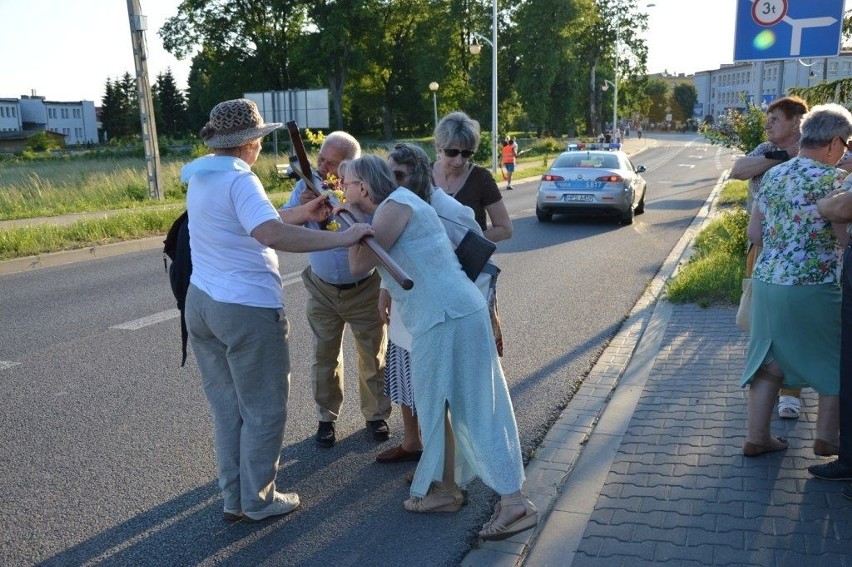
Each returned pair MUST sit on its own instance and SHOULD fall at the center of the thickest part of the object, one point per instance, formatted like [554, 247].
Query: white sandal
[495, 532]
[789, 407]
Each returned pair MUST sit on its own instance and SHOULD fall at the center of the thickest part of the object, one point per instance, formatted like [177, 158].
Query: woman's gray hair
[421, 171]
[457, 130]
[373, 171]
[823, 123]
[344, 141]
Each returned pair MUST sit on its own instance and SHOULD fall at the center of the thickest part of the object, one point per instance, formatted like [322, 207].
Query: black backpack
[176, 248]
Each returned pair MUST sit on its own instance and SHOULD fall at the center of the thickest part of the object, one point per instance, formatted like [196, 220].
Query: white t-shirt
[226, 201]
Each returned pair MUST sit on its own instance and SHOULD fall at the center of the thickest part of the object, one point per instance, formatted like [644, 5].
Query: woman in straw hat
[235, 305]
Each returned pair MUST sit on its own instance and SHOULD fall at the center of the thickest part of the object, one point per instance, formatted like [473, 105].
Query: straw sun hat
[234, 123]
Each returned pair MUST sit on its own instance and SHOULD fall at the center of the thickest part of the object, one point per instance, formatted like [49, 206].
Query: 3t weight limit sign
[768, 12]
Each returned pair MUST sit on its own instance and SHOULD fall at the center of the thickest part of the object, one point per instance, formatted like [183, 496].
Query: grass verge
[714, 272]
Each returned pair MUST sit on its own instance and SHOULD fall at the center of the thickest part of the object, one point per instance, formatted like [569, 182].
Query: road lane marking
[137, 324]
[6, 364]
[689, 165]
[170, 314]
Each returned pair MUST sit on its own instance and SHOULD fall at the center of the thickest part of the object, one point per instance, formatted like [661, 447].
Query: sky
[65, 50]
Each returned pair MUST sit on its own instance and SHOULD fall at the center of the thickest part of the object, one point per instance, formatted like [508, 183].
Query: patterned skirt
[398, 376]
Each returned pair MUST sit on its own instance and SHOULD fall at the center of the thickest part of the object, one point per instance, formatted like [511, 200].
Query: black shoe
[325, 434]
[379, 430]
[835, 470]
[847, 492]
[509, 188]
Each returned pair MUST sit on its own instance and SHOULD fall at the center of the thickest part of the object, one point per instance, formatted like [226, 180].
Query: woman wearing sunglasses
[456, 140]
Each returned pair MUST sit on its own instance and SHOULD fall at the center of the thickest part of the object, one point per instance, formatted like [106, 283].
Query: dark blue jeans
[846, 360]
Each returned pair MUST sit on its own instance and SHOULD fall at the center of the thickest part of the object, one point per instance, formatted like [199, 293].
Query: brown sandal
[823, 448]
[495, 532]
[430, 502]
[753, 449]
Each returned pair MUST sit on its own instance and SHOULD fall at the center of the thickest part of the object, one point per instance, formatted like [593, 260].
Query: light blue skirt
[797, 326]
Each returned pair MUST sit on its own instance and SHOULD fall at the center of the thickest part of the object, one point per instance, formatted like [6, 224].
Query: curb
[584, 440]
[29, 263]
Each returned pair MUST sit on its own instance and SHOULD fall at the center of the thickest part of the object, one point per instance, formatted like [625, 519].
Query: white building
[10, 115]
[763, 81]
[75, 120]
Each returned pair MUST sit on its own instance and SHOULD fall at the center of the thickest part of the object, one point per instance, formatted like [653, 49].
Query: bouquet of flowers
[331, 189]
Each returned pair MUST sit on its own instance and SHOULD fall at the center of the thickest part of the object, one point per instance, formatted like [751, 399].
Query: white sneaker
[789, 407]
[283, 503]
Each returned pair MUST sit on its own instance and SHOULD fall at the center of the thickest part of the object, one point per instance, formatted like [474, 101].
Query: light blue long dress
[453, 359]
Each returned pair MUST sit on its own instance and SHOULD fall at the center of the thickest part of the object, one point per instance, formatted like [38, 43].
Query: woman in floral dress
[795, 316]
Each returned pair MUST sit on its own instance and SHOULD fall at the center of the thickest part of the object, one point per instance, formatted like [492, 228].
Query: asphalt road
[106, 443]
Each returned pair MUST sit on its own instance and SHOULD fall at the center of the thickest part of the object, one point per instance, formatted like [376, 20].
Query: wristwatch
[777, 154]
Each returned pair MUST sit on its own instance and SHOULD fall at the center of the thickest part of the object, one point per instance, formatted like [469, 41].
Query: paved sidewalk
[645, 465]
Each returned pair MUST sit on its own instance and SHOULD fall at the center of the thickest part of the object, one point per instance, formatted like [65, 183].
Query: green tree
[657, 92]
[169, 106]
[120, 110]
[684, 97]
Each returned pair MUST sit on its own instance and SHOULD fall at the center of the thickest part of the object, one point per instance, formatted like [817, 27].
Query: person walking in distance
[508, 155]
[783, 117]
[337, 298]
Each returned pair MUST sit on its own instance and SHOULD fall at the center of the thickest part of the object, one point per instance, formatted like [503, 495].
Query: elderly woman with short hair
[795, 315]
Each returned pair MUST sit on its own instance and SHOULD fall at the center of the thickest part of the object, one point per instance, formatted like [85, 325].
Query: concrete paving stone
[706, 522]
[732, 494]
[653, 519]
[735, 509]
[666, 552]
[690, 493]
[764, 510]
[613, 548]
[819, 546]
[701, 481]
[545, 477]
[611, 490]
[642, 468]
[658, 492]
[753, 558]
[622, 532]
[726, 523]
[675, 536]
[630, 504]
[783, 527]
[659, 505]
[662, 458]
[761, 540]
[487, 557]
[508, 547]
[734, 540]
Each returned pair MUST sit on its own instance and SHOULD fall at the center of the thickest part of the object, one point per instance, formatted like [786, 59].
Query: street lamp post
[433, 86]
[604, 87]
[475, 48]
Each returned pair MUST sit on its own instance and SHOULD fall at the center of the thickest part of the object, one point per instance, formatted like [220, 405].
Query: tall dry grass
[31, 189]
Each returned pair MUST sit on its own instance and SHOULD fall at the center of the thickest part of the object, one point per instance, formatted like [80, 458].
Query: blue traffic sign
[787, 29]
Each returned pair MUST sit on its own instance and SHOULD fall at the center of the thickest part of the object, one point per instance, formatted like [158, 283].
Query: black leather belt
[345, 286]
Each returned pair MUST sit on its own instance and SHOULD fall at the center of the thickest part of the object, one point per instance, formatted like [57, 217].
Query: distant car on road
[596, 182]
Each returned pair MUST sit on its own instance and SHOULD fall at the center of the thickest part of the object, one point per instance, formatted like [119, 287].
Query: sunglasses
[845, 143]
[400, 176]
[452, 152]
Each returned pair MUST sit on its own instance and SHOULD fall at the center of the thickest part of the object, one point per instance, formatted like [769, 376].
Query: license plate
[571, 197]
[578, 184]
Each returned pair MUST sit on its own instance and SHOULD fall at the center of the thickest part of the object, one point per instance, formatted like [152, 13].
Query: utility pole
[138, 25]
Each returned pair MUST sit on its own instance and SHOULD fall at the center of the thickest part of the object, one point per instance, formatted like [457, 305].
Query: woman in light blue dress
[466, 416]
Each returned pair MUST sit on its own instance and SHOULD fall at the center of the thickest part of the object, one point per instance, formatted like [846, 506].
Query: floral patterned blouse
[799, 246]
